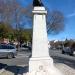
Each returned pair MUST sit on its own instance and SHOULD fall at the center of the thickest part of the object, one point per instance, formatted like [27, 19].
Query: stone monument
[40, 63]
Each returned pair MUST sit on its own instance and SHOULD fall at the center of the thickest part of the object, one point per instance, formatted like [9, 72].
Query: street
[19, 64]
[62, 58]
[21, 59]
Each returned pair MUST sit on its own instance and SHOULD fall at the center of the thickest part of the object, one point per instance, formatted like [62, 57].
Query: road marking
[21, 56]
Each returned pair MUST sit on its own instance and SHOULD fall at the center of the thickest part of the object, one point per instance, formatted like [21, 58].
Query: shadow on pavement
[16, 70]
[2, 65]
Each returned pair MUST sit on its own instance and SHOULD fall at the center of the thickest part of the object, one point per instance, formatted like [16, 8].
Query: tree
[13, 14]
[68, 43]
[55, 22]
[73, 46]
[5, 30]
[17, 16]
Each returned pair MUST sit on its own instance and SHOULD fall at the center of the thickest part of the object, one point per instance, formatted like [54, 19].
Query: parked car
[25, 48]
[8, 51]
[67, 50]
[12, 44]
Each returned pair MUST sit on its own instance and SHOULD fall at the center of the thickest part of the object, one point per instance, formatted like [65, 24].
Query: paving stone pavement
[66, 70]
[7, 73]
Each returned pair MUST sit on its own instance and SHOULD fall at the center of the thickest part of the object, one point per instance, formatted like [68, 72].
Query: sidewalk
[66, 70]
[14, 70]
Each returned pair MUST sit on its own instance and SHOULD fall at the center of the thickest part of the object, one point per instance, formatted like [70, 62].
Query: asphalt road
[17, 65]
[22, 58]
[62, 58]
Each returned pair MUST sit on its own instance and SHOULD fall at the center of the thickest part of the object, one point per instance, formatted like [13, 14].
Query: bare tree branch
[55, 22]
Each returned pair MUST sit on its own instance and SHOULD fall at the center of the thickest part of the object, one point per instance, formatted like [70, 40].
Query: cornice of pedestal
[39, 10]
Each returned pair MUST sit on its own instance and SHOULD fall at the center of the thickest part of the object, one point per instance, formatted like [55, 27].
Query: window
[4, 47]
[10, 47]
[0, 46]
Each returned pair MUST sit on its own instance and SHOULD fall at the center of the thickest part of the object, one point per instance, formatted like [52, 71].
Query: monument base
[42, 66]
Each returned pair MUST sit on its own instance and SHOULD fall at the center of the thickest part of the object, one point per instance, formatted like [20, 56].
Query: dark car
[25, 48]
[67, 50]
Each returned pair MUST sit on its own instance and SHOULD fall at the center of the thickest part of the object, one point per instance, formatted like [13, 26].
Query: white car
[8, 51]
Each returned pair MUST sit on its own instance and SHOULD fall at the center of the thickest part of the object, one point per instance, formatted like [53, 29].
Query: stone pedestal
[40, 63]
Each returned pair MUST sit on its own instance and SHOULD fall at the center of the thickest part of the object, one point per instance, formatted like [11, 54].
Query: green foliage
[6, 31]
[25, 35]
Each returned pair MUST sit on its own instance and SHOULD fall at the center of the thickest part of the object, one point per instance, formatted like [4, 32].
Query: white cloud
[71, 15]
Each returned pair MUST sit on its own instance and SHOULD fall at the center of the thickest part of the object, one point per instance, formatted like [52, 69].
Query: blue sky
[67, 7]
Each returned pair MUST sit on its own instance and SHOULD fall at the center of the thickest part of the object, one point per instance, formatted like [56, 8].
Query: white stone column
[40, 41]
[41, 63]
